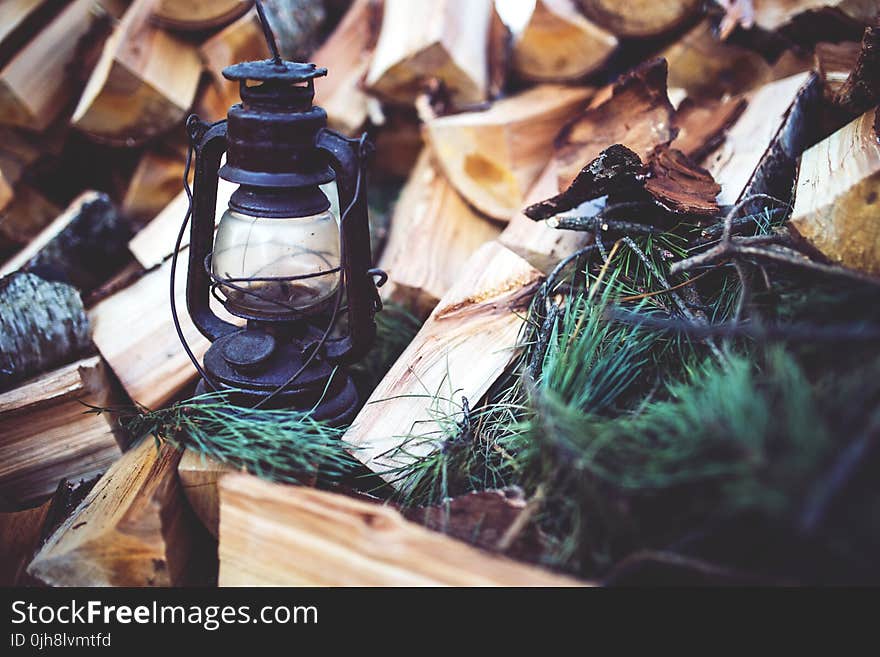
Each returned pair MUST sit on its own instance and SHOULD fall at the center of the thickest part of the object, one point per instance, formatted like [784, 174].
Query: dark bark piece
[297, 25]
[42, 325]
[638, 115]
[834, 62]
[615, 170]
[482, 519]
[861, 91]
[678, 185]
[85, 246]
[702, 126]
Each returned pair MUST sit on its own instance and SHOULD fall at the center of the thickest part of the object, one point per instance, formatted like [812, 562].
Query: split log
[838, 195]
[297, 26]
[27, 214]
[84, 245]
[638, 115]
[706, 67]
[156, 181]
[134, 332]
[760, 152]
[346, 54]
[155, 242]
[433, 233]
[35, 85]
[143, 84]
[133, 529]
[242, 41]
[558, 44]
[447, 40]
[200, 477]
[20, 20]
[47, 434]
[639, 18]
[463, 347]
[22, 532]
[42, 325]
[198, 15]
[272, 534]
[494, 157]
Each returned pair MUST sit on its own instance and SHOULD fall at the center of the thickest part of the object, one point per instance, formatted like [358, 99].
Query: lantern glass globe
[253, 254]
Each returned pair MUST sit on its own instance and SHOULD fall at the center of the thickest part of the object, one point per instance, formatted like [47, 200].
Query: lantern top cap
[267, 70]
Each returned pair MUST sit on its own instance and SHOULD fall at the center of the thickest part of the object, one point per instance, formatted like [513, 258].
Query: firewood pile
[635, 244]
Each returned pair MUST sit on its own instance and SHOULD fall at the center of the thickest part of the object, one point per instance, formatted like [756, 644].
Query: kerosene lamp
[280, 259]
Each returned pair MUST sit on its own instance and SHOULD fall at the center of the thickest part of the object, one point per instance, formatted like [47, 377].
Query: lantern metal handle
[209, 144]
[348, 158]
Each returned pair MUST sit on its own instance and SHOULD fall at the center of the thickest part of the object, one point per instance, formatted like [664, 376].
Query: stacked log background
[474, 122]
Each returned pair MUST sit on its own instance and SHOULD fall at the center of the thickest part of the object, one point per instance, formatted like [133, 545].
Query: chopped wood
[48, 435]
[20, 533]
[861, 90]
[494, 157]
[680, 186]
[707, 67]
[838, 195]
[558, 44]
[156, 181]
[20, 20]
[761, 148]
[346, 54]
[143, 85]
[42, 325]
[433, 233]
[273, 534]
[463, 347]
[242, 41]
[27, 214]
[639, 18]
[500, 53]
[638, 115]
[615, 170]
[133, 529]
[200, 477]
[84, 245]
[135, 334]
[445, 40]
[155, 242]
[35, 85]
[198, 15]
[702, 125]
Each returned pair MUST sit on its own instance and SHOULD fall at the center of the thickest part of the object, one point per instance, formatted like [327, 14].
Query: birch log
[42, 325]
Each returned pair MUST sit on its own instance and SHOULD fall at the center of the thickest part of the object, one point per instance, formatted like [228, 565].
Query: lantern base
[337, 408]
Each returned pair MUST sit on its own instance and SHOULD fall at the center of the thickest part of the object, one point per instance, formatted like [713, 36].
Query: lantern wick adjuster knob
[248, 350]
